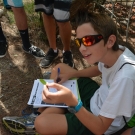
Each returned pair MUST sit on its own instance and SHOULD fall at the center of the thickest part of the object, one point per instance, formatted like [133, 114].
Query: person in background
[56, 12]
[21, 22]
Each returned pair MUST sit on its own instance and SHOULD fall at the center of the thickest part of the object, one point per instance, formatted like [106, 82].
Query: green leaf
[43, 81]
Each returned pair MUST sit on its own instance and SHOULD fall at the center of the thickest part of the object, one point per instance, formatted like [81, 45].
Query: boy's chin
[92, 62]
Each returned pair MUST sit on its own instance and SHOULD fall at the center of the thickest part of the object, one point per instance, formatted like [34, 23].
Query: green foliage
[10, 16]
[35, 21]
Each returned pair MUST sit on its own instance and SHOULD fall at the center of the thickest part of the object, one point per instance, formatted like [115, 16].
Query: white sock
[55, 50]
[64, 51]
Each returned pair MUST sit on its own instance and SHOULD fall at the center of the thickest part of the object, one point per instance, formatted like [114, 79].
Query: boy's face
[94, 53]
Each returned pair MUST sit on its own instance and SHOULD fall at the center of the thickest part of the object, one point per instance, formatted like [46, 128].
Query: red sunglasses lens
[88, 41]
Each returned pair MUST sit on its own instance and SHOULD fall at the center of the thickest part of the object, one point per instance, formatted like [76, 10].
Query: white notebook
[36, 93]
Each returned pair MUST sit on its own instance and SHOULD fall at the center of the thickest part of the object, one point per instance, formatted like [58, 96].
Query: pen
[58, 76]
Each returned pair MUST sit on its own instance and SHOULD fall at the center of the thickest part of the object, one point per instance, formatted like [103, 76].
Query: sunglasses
[88, 40]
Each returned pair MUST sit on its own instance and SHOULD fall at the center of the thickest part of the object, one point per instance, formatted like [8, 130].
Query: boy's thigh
[15, 3]
[87, 88]
[75, 127]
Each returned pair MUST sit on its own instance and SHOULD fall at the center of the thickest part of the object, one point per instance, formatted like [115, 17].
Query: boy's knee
[40, 125]
[37, 124]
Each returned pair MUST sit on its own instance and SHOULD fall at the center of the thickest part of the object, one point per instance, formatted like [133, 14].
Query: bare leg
[64, 28]
[65, 33]
[20, 18]
[50, 123]
[50, 28]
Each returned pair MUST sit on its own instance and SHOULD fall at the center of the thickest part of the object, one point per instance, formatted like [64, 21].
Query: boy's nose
[82, 47]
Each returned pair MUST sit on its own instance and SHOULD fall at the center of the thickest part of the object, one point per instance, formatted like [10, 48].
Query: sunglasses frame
[80, 41]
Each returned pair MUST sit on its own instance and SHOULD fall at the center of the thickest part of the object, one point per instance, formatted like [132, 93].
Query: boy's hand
[63, 95]
[62, 78]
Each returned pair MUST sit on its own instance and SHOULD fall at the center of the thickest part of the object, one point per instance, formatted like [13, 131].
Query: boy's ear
[111, 41]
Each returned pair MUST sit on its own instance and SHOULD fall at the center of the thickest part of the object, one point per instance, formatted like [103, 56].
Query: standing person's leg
[65, 34]
[50, 7]
[46, 7]
[21, 22]
[3, 43]
[50, 28]
[62, 14]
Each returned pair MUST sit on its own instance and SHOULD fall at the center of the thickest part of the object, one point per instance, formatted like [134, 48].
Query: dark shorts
[60, 9]
[87, 88]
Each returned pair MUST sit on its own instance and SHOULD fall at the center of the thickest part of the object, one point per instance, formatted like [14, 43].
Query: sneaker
[47, 75]
[35, 51]
[29, 110]
[68, 58]
[49, 58]
[3, 48]
[20, 125]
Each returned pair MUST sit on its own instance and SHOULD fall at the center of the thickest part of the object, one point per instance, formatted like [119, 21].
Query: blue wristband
[75, 109]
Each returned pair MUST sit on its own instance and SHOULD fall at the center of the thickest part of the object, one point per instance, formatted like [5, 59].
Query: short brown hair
[102, 23]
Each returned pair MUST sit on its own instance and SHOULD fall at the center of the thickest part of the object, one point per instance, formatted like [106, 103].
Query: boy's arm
[96, 124]
[67, 72]
[88, 72]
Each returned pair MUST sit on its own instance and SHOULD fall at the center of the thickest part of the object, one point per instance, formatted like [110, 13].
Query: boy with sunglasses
[104, 109]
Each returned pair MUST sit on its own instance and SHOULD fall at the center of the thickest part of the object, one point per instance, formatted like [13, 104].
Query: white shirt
[116, 96]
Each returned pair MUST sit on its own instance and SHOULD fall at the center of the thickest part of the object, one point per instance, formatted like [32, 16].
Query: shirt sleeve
[119, 100]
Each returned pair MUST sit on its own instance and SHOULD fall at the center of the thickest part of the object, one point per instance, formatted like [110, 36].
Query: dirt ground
[18, 70]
